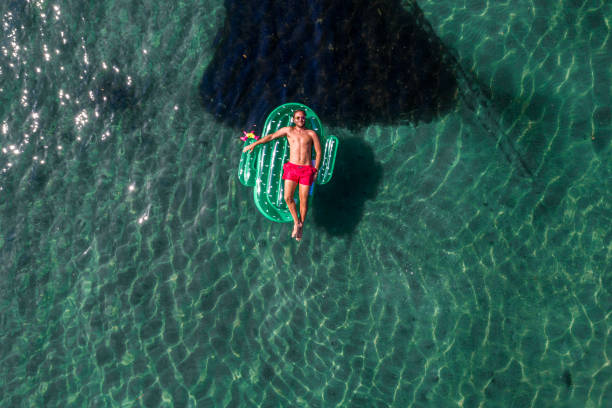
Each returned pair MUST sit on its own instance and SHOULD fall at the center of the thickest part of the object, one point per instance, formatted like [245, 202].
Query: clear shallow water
[137, 272]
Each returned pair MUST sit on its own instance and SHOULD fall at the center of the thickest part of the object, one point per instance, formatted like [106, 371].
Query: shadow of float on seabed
[339, 205]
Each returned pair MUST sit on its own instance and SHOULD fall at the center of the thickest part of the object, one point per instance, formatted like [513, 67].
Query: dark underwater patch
[567, 379]
[353, 62]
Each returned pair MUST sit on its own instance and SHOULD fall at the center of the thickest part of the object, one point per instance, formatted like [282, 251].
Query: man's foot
[298, 235]
[295, 231]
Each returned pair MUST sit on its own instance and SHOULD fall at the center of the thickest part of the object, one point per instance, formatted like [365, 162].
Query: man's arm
[279, 133]
[317, 146]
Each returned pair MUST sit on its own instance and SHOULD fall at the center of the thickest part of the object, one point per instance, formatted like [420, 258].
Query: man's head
[299, 118]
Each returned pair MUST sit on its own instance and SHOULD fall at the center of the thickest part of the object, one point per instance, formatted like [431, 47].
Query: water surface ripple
[136, 270]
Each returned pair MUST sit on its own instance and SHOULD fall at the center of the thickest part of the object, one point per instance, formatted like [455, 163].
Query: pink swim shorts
[300, 174]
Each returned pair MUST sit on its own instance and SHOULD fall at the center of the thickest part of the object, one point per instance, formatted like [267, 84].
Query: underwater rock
[353, 62]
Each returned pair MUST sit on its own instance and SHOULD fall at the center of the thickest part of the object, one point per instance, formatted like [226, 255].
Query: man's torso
[300, 146]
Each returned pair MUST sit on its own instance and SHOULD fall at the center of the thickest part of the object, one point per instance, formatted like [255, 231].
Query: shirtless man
[298, 170]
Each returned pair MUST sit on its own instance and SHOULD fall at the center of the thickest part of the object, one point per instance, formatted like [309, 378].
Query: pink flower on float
[250, 135]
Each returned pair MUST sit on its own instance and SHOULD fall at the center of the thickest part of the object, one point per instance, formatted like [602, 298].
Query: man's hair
[299, 110]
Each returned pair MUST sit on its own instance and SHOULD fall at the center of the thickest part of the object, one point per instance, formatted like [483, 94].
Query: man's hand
[248, 148]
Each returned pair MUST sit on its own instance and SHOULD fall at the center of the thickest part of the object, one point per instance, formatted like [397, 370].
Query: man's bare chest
[298, 138]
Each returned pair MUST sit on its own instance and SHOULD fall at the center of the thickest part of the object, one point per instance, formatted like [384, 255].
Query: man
[298, 170]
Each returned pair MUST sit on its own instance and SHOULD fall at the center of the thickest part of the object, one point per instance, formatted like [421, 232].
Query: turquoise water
[136, 270]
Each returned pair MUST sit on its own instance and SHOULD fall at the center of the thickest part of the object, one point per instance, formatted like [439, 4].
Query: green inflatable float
[263, 169]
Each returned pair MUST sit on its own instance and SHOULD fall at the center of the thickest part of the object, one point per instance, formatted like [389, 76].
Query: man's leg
[289, 193]
[303, 191]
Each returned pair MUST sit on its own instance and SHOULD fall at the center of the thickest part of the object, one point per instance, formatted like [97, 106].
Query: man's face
[299, 118]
